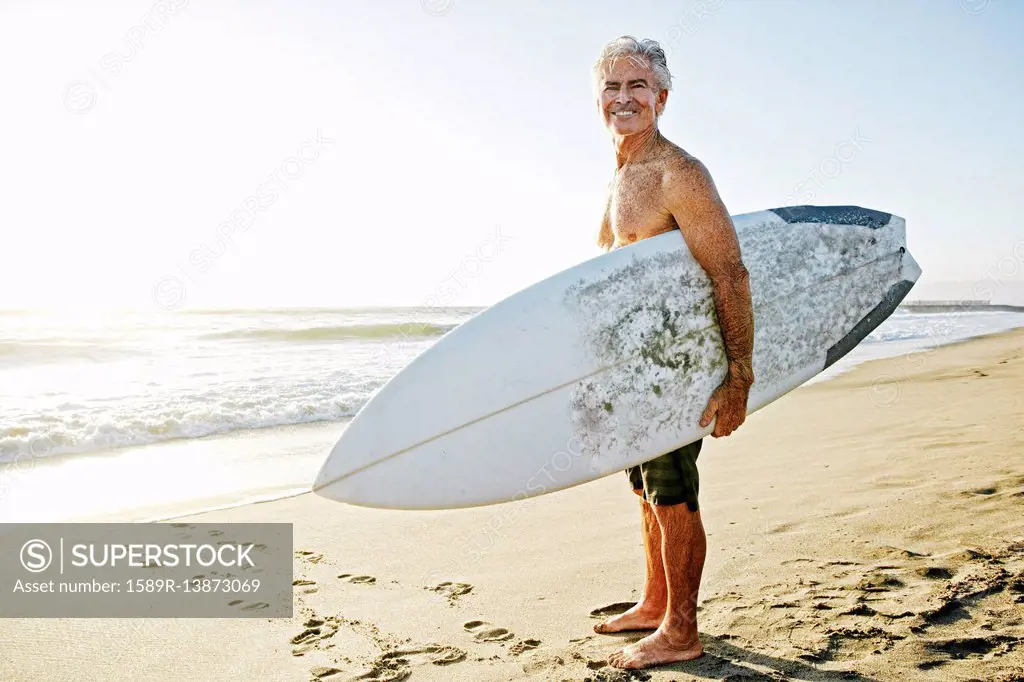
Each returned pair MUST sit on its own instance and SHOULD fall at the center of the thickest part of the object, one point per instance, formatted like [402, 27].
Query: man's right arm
[711, 237]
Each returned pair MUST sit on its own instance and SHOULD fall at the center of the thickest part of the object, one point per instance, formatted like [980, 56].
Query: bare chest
[636, 208]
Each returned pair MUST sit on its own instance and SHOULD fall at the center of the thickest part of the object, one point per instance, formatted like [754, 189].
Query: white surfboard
[611, 363]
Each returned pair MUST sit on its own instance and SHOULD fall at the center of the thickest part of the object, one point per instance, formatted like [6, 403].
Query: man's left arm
[709, 233]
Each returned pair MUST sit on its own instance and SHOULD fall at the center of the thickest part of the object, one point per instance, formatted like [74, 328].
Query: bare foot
[640, 617]
[656, 649]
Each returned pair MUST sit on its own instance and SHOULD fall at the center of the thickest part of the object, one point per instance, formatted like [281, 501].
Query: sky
[182, 154]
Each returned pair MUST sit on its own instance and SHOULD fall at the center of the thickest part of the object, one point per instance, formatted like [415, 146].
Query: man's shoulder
[684, 171]
[685, 178]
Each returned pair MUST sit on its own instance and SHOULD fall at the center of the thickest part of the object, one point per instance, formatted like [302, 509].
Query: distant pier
[961, 306]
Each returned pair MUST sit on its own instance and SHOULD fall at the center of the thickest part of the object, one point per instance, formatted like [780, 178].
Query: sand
[866, 528]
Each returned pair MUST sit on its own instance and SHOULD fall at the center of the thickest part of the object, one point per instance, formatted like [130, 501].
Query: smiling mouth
[623, 114]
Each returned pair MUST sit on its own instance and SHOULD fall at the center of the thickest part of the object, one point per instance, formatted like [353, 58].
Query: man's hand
[729, 404]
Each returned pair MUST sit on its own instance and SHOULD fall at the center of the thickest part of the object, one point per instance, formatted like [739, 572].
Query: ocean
[102, 413]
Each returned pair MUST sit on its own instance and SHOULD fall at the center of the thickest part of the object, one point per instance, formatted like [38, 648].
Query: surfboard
[611, 363]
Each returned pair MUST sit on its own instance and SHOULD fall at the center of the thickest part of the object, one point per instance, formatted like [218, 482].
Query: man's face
[628, 97]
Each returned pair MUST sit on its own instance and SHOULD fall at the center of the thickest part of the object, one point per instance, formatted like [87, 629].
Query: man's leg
[671, 485]
[648, 613]
[684, 547]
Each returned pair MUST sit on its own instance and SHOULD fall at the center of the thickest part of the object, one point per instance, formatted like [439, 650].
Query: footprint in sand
[384, 671]
[976, 647]
[879, 582]
[935, 573]
[258, 606]
[358, 579]
[545, 664]
[431, 654]
[524, 645]
[310, 556]
[306, 635]
[482, 631]
[310, 585]
[384, 675]
[451, 591]
[948, 611]
[1016, 585]
[315, 631]
[852, 643]
[323, 672]
[397, 664]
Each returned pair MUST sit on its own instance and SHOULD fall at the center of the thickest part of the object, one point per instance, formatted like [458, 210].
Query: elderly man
[658, 187]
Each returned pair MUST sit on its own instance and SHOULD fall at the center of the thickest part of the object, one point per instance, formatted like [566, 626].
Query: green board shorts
[669, 479]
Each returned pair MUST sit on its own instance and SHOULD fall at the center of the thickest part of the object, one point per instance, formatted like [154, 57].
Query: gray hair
[647, 50]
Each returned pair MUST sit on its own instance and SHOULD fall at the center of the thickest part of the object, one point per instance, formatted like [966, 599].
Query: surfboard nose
[344, 489]
[321, 479]
[379, 485]
[332, 473]
[339, 490]
[343, 477]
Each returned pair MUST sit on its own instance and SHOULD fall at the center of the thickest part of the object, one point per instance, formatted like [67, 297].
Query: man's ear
[659, 105]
